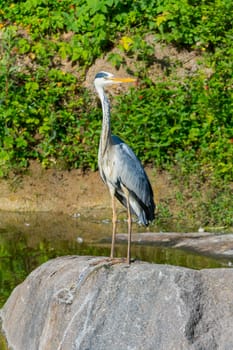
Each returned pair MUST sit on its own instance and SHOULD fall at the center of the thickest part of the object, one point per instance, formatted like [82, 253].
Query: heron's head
[104, 78]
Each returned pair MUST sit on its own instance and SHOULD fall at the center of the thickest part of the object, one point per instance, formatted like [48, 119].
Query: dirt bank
[63, 191]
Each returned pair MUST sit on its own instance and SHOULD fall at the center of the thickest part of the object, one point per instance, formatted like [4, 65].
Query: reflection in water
[28, 240]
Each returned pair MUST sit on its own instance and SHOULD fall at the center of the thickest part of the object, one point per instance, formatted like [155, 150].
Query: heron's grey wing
[130, 173]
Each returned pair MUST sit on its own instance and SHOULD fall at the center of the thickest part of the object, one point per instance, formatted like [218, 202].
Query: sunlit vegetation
[183, 122]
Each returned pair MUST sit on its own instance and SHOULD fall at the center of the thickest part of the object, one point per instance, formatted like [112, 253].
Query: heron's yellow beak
[123, 80]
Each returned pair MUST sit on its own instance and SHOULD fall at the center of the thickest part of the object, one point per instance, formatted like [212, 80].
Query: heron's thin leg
[129, 233]
[114, 223]
[129, 225]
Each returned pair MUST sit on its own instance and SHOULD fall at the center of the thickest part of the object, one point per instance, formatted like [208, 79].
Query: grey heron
[120, 169]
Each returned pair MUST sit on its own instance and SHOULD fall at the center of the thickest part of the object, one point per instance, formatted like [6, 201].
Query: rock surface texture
[82, 303]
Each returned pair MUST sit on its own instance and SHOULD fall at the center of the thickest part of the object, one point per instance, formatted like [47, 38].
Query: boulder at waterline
[72, 303]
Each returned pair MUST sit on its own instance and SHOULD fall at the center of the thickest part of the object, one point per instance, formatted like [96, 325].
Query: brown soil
[63, 191]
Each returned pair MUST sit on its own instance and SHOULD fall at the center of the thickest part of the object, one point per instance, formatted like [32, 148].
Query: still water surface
[29, 239]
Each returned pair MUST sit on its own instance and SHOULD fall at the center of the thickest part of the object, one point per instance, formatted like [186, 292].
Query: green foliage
[184, 123]
[47, 115]
[207, 24]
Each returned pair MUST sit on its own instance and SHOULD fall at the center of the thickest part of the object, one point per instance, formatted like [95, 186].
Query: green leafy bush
[47, 115]
[182, 123]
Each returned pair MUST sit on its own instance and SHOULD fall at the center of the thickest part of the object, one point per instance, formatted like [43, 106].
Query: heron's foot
[125, 261]
[115, 261]
[100, 261]
[110, 261]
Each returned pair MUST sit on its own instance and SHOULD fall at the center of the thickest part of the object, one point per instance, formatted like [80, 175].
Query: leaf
[161, 18]
[32, 86]
[126, 42]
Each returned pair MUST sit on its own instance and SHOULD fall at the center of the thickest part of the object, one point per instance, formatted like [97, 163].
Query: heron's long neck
[105, 138]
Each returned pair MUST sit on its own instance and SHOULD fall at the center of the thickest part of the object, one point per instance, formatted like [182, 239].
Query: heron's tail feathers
[144, 212]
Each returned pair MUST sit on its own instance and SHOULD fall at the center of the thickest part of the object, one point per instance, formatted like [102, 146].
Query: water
[27, 240]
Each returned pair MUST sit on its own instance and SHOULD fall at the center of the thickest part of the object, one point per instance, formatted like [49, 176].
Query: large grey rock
[70, 303]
